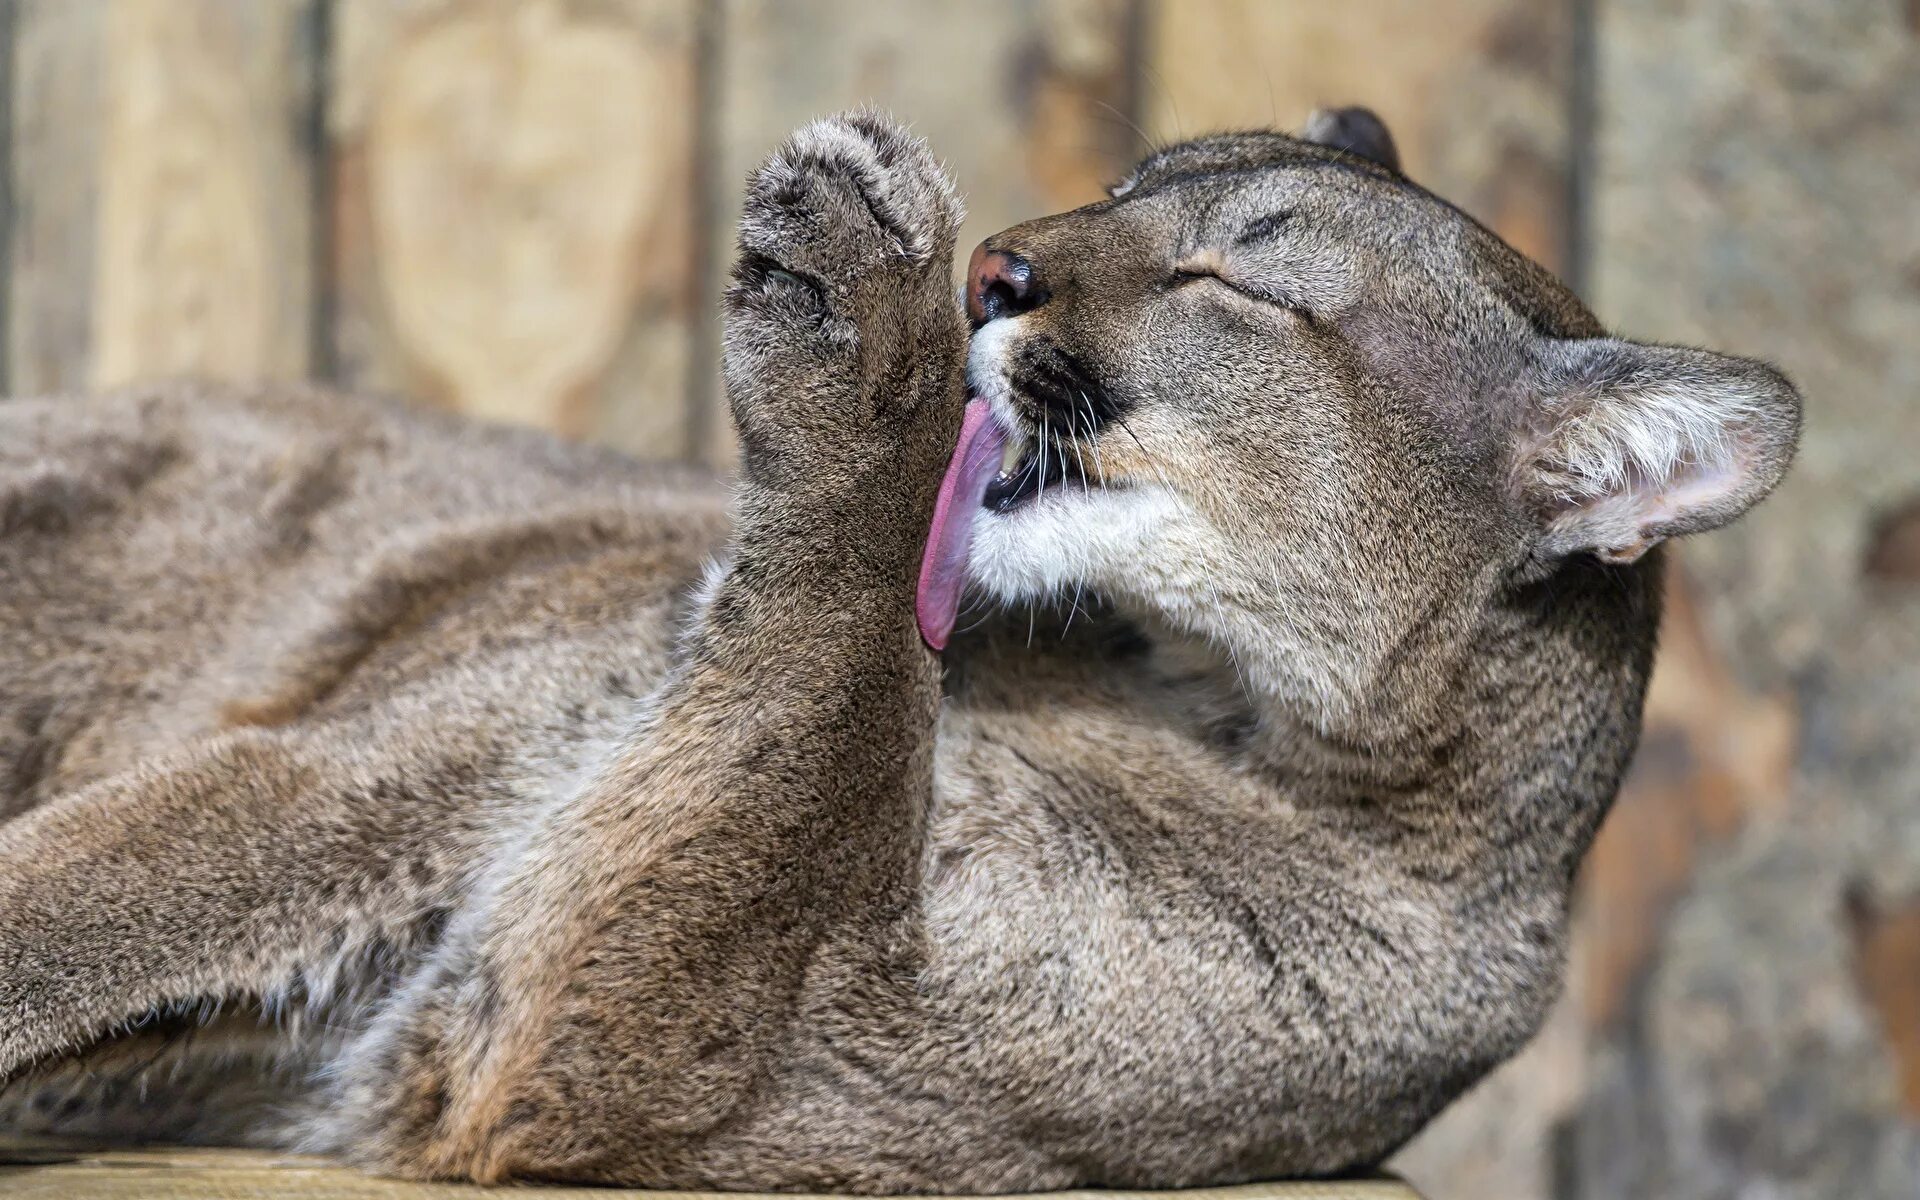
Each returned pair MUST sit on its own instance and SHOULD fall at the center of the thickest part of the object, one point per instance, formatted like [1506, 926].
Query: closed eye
[1184, 275]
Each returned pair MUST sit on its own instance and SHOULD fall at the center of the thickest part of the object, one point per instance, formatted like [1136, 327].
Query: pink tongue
[943, 572]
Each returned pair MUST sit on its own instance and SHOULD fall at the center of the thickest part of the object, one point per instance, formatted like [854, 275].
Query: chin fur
[1111, 541]
[1143, 548]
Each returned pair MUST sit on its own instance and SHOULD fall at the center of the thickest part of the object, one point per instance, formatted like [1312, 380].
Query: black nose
[1000, 284]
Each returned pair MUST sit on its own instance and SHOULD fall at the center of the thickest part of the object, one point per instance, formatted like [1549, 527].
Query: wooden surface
[244, 1175]
[1475, 91]
[523, 209]
[53, 144]
[513, 206]
[161, 191]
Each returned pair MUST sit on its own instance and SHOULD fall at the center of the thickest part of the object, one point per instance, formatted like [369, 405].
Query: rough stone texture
[1753, 189]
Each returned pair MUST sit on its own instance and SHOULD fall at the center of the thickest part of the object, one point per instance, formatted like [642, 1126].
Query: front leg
[631, 987]
[252, 865]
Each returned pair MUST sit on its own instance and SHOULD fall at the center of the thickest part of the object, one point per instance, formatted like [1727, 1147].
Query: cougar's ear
[1357, 131]
[1624, 445]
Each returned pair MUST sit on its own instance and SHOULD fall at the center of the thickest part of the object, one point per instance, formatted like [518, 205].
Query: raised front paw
[845, 202]
[842, 322]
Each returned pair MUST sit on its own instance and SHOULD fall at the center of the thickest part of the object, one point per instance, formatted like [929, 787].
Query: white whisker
[1073, 610]
[1042, 460]
[1093, 439]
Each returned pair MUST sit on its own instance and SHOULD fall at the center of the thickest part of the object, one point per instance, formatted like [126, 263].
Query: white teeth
[1011, 454]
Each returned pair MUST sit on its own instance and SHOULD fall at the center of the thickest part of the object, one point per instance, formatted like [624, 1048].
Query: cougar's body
[474, 805]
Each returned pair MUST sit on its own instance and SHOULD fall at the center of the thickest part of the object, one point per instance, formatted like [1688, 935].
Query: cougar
[1146, 742]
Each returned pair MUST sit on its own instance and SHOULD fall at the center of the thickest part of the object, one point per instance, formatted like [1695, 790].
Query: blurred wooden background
[521, 209]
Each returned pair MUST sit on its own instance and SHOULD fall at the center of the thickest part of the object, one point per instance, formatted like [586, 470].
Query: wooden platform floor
[197, 1174]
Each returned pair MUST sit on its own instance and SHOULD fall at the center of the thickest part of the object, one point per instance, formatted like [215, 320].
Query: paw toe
[845, 191]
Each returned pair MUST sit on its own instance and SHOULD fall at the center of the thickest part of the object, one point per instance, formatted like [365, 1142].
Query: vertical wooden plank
[1024, 102]
[204, 256]
[56, 104]
[162, 191]
[512, 208]
[1475, 91]
[8, 12]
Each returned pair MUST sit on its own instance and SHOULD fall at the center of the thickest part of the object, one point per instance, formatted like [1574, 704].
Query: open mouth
[1028, 467]
[996, 470]
[993, 469]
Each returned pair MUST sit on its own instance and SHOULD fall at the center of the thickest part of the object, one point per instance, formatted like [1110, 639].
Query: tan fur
[476, 806]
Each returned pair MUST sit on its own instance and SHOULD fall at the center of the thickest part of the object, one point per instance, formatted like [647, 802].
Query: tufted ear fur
[1357, 131]
[1625, 444]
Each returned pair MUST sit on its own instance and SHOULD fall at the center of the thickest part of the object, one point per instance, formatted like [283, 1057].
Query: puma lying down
[1132, 725]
